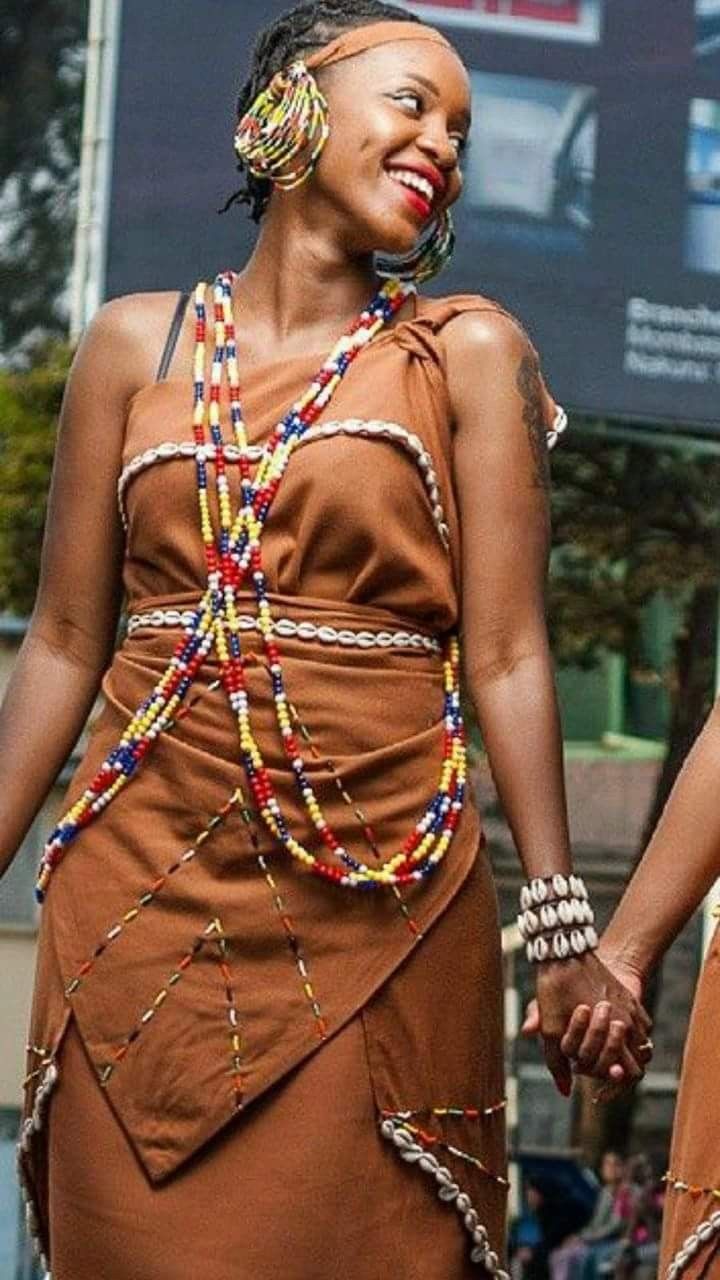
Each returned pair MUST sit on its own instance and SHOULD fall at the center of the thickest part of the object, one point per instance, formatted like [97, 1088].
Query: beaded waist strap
[311, 632]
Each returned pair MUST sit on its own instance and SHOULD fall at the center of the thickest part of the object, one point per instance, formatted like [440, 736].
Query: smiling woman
[267, 1030]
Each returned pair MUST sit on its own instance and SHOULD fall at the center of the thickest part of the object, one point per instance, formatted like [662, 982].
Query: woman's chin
[398, 246]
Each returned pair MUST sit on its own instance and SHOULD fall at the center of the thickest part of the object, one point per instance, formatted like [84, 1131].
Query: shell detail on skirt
[691, 1226]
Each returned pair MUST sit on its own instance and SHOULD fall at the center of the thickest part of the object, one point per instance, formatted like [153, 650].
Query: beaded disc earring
[287, 119]
[432, 252]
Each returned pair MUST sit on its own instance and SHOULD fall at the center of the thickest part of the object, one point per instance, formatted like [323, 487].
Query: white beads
[369, 428]
[559, 425]
[577, 887]
[551, 889]
[288, 628]
[692, 1246]
[566, 911]
[538, 950]
[561, 946]
[556, 920]
[539, 891]
[448, 1190]
[549, 916]
[528, 923]
[32, 1125]
[567, 914]
[378, 428]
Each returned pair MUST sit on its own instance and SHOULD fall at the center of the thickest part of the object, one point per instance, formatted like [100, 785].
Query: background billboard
[592, 200]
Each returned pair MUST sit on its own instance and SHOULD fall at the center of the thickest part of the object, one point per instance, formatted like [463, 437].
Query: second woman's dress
[691, 1224]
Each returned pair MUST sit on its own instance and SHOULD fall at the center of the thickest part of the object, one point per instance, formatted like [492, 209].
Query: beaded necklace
[231, 558]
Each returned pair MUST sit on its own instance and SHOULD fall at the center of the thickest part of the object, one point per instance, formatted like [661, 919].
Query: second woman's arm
[680, 865]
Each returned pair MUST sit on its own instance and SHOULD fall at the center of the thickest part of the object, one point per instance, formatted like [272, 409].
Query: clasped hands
[589, 1016]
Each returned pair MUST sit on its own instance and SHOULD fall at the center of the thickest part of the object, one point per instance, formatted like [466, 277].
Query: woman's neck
[299, 285]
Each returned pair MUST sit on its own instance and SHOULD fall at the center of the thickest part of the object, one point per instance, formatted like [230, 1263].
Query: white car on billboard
[707, 18]
[532, 150]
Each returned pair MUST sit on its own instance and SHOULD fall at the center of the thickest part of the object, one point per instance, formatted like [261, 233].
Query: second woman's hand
[590, 1022]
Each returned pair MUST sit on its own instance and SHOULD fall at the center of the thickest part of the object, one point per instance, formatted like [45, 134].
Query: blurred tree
[42, 57]
[29, 405]
[631, 521]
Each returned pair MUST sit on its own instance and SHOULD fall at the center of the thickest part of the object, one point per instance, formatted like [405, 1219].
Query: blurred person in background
[528, 1247]
[640, 1248]
[579, 1257]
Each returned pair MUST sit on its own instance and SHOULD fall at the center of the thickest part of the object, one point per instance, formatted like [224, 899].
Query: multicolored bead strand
[427, 844]
[287, 119]
[158, 709]
[431, 1140]
[427, 259]
[231, 558]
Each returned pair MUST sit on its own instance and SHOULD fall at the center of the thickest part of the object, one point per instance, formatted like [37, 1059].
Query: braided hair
[300, 31]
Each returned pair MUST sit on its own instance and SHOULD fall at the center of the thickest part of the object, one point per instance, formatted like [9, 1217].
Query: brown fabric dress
[220, 1042]
[691, 1227]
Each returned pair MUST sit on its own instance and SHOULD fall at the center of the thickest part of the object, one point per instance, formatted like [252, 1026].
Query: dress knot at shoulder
[420, 333]
[435, 313]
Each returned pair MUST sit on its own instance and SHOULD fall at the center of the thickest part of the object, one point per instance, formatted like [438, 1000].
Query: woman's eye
[411, 99]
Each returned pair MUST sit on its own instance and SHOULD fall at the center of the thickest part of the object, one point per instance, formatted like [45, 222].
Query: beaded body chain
[232, 557]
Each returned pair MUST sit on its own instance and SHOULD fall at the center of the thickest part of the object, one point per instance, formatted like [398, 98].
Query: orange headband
[360, 39]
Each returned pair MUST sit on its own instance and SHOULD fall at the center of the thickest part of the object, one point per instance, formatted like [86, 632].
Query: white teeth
[415, 181]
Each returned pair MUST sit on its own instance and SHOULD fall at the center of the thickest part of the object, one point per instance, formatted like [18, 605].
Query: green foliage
[41, 77]
[629, 521]
[29, 405]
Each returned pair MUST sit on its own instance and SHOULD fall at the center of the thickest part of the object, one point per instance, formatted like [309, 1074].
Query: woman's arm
[71, 634]
[501, 475]
[679, 867]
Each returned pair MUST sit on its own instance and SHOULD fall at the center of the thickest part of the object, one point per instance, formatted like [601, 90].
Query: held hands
[591, 1021]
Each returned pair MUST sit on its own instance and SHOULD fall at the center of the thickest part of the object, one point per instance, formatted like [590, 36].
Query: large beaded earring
[287, 119]
[430, 255]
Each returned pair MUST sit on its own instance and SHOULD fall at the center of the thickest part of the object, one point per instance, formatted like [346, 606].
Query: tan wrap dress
[691, 1226]
[220, 1043]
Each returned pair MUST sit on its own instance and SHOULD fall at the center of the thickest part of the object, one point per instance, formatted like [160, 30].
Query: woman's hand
[630, 976]
[591, 1022]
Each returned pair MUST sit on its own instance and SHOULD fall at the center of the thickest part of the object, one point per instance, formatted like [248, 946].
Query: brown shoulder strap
[172, 337]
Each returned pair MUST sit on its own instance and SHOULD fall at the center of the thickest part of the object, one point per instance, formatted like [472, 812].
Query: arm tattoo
[530, 388]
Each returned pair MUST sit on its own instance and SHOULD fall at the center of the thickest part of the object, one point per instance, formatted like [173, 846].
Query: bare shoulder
[483, 333]
[497, 393]
[486, 353]
[124, 340]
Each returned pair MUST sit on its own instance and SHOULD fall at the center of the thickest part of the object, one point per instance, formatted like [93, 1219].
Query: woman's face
[612, 1168]
[399, 118]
